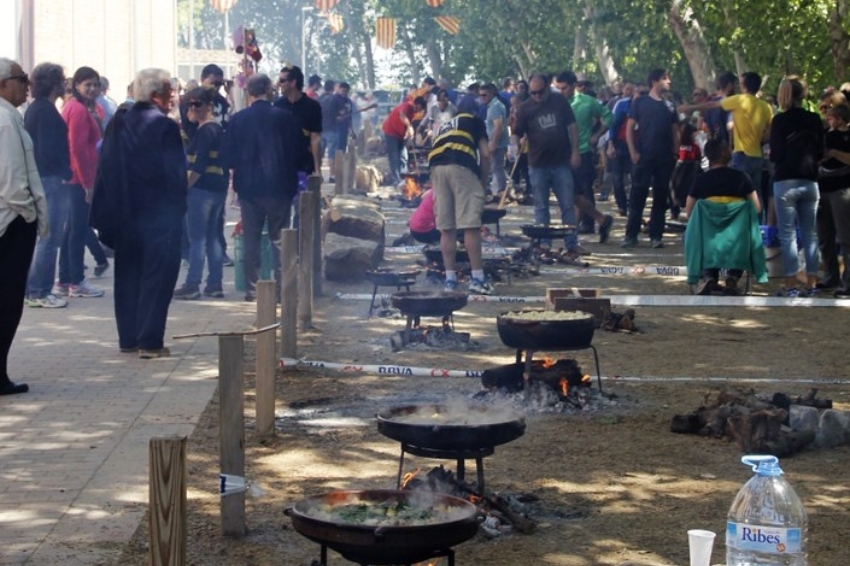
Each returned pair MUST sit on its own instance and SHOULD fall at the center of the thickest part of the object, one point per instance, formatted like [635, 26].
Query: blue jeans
[558, 180]
[394, 148]
[202, 228]
[751, 166]
[43, 268]
[330, 141]
[797, 203]
[73, 246]
[621, 166]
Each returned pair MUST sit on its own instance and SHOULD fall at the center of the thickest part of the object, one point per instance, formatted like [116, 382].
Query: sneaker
[827, 284]
[250, 297]
[214, 293]
[657, 244]
[450, 285]
[185, 293]
[155, 353]
[85, 290]
[842, 294]
[101, 268]
[479, 287]
[732, 286]
[60, 290]
[811, 292]
[629, 242]
[706, 286]
[227, 262]
[48, 302]
[605, 228]
[578, 250]
[791, 293]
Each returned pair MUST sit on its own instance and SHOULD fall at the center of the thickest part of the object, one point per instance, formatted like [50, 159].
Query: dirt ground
[613, 486]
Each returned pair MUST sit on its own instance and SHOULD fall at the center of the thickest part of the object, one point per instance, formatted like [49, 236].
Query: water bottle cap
[763, 465]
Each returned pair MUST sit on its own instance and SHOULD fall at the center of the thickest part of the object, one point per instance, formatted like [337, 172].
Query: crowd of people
[145, 183]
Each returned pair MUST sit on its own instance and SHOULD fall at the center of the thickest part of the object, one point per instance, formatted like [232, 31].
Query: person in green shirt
[592, 120]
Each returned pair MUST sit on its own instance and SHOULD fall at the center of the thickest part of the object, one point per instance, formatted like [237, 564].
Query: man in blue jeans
[547, 120]
[49, 135]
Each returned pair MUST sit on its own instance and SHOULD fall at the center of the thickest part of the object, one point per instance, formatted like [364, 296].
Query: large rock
[833, 429]
[356, 218]
[348, 259]
[803, 418]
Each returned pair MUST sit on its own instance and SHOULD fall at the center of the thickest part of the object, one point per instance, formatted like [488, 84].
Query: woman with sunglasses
[85, 127]
[206, 197]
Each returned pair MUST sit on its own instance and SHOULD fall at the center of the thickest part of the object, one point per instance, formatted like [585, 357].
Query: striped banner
[434, 3]
[335, 21]
[449, 23]
[326, 5]
[222, 6]
[385, 32]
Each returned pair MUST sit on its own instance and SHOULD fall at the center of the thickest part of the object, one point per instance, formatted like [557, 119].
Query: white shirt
[21, 192]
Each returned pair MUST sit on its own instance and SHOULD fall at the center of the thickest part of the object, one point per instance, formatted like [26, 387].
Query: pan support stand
[460, 456]
[402, 283]
[529, 354]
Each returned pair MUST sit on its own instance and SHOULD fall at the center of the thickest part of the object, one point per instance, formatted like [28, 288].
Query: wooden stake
[306, 237]
[289, 293]
[336, 171]
[232, 429]
[266, 359]
[314, 183]
[167, 500]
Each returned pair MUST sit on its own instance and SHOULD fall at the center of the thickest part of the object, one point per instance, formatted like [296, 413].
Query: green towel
[724, 236]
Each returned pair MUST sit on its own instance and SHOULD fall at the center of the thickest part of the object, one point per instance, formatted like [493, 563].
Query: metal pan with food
[545, 330]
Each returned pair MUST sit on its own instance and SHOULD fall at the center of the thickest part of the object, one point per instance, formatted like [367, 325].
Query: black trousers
[648, 173]
[147, 263]
[272, 212]
[16, 248]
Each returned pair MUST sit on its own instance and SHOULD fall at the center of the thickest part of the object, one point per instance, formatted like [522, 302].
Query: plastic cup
[700, 543]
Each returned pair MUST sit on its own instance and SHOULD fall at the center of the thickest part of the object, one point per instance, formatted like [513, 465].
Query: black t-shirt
[343, 106]
[546, 125]
[204, 157]
[457, 142]
[328, 102]
[655, 120]
[832, 176]
[308, 114]
[796, 144]
[721, 182]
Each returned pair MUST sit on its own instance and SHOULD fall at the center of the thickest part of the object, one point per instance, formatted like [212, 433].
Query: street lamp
[304, 10]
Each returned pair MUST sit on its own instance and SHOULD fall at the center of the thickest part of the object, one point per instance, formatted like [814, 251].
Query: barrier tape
[485, 250]
[634, 271]
[414, 371]
[649, 300]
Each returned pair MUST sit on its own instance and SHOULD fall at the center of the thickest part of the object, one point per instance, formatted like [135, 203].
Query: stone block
[804, 418]
[833, 429]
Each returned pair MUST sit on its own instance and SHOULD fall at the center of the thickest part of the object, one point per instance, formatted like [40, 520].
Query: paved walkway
[73, 451]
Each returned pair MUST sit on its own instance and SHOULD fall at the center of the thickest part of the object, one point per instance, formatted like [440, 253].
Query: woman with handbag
[834, 213]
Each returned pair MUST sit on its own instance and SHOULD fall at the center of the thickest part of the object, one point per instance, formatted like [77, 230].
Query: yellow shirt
[750, 117]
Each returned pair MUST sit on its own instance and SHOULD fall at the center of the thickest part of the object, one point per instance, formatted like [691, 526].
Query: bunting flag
[336, 22]
[449, 23]
[385, 32]
[434, 3]
[326, 5]
[222, 6]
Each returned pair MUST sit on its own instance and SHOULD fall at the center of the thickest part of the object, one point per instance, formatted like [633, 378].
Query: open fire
[442, 336]
[564, 377]
[411, 190]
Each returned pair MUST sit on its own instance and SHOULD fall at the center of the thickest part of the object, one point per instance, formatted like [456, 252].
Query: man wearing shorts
[458, 182]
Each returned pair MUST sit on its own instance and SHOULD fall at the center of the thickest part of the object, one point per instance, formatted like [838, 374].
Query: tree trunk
[579, 47]
[691, 37]
[411, 55]
[839, 40]
[432, 48]
[370, 64]
[737, 50]
[600, 45]
[353, 32]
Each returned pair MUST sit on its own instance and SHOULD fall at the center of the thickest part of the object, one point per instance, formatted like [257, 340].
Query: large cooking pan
[540, 231]
[456, 522]
[429, 303]
[388, 276]
[543, 334]
[440, 427]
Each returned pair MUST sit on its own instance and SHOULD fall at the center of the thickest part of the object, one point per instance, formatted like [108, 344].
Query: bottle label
[758, 538]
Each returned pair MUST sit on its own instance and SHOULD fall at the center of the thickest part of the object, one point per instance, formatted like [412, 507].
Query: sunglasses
[22, 78]
[537, 92]
[196, 104]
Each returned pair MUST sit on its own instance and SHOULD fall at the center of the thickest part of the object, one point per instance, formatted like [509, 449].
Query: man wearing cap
[23, 212]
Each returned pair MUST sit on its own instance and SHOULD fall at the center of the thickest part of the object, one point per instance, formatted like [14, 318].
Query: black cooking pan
[539, 231]
[545, 335]
[429, 303]
[491, 215]
[385, 276]
[382, 545]
[488, 427]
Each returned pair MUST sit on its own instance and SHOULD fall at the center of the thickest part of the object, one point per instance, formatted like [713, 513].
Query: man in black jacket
[262, 147]
[49, 135]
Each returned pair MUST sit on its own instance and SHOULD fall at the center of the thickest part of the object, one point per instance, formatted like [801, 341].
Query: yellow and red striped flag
[326, 5]
[449, 23]
[385, 32]
[434, 3]
[336, 22]
[222, 6]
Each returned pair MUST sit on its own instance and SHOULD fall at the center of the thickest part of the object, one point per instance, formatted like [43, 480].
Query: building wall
[115, 37]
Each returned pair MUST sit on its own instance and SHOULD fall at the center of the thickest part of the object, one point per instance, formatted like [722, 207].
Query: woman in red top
[85, 120]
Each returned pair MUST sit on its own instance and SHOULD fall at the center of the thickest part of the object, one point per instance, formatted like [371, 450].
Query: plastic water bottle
[766, 525]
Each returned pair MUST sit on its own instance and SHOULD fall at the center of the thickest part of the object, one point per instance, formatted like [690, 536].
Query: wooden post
[266, 359]
[351, 170]
[314, 183]
[167, 501]
[336, 171]
[306, 236]
[232, 425]
[289, 293]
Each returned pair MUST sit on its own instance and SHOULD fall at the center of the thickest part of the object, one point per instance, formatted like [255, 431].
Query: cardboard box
[582, 300]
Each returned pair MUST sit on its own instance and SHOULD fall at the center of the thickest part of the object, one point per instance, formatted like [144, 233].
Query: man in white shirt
[23, 211]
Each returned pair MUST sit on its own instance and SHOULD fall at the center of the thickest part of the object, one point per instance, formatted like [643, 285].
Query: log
[266, 360]
[810, 400]
[232, 430]
[368, 179]
[752, 432]
[289, 293]
[790, 442]
[306, 236]
[167, 499]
